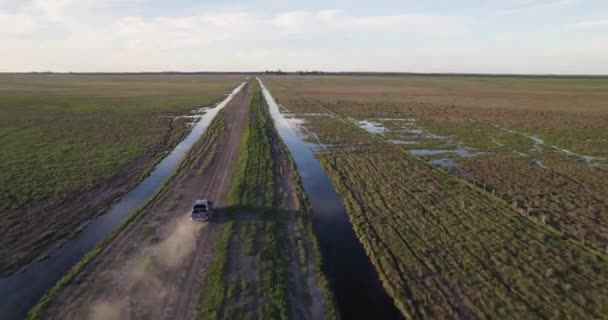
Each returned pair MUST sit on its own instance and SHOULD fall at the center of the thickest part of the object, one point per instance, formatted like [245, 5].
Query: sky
[468, 36]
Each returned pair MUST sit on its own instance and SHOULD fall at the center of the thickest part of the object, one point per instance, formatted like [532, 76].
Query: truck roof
[201, 201]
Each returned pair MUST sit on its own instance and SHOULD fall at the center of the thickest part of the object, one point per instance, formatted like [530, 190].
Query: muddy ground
[28, 231]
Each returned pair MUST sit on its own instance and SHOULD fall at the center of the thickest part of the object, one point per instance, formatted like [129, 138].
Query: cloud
[204, 31]
[588, 24]
[337, 20]
[96, 35]
[52, 9]
[37, 16]
[529, 6]
[17, 24]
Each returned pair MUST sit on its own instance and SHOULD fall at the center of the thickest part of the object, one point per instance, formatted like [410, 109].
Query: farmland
[474, 197]
[257, 257]
[73, 143]
[469, 197]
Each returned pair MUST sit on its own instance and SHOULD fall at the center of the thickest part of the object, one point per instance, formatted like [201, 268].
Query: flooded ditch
[23, 289]
[357, 287]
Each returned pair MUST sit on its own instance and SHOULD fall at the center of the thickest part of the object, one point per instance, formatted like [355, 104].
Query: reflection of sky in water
[541, 164]
[372, 127]
[397, 141]
[407, 128]
[462, 152]
[537, 142]
[428, 152]
[358, 290]
[443, 162]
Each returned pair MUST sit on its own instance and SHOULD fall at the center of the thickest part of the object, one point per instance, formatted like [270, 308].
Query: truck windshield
[200, 207]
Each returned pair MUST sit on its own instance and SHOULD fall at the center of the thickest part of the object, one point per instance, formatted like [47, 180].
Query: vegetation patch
[443, 247]
[37, 312]
[71, 144]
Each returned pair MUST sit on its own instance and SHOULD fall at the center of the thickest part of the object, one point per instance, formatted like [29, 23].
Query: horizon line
[318, 72]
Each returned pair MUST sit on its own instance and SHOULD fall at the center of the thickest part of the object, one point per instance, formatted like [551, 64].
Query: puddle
[379, 128]
[372, 127]
[351, 275]
[587, 159]
[417, 132]
[541, 164]
[397, 141]
[537, 142]
[403, 131]
[496, 142]
[200, 110]
[23, 289]
[397, 119]
[428, 152]
[315, 114]
[463, 152]
[445, 163]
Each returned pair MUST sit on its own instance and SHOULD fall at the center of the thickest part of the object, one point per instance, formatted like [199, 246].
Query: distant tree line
[311, 72]
[278, 71]
[302, 73]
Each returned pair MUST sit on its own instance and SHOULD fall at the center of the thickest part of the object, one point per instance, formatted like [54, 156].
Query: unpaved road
[152, 270]
[253, 273]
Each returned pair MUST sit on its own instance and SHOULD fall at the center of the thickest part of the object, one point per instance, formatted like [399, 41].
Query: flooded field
[460, 188]
[442, 151]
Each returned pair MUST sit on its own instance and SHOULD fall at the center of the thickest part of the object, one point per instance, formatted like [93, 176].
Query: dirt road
[271, 270]
[152, 270]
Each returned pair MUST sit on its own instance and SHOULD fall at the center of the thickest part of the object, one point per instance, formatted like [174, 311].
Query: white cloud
[17, 24]
[92, 35]
[531, 6]
[52, 9]
[337, 20]
[588, 24]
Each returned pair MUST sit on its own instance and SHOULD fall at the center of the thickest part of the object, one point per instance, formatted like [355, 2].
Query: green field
[495, 234]
[64, 134]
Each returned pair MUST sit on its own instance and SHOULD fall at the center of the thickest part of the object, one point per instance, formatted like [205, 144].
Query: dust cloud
[141, 285]
[106, 311]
